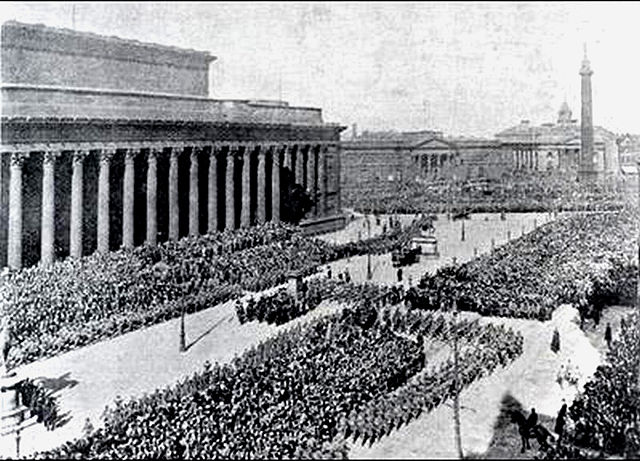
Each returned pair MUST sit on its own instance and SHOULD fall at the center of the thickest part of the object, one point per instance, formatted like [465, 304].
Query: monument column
[245, 212]
[103, 200]
[152, 196]
[230, 215]
[212, 192]
[586, 121]
[275, 184]
[47, 253]
[127, 199]
[174, 214]
[77, 178]
[14, 250]
[262, 192]
[194, 208]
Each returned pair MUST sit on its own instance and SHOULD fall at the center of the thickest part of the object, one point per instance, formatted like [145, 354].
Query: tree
[555, 341]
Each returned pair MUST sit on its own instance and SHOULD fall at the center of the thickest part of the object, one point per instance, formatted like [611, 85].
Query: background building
[109, 142]
[557, 146]
[384, 161]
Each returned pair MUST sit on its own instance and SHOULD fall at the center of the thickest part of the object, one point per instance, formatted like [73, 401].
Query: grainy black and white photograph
[315, 230]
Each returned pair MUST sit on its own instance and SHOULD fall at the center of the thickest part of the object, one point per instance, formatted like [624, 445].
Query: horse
[539, 432]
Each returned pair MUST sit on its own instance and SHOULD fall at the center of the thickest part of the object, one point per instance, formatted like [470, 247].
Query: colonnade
[306, 159]
[525, 158]
[433, 163]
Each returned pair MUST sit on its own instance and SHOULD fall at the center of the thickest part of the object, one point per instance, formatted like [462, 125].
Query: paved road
[531, 379]
[92, 377]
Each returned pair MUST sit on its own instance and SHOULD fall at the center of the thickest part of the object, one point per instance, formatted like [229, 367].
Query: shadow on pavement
[57, 384]
[209, 330]
[506, 442]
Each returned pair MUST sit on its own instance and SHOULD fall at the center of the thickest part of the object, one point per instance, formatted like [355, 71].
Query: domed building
[557, 146]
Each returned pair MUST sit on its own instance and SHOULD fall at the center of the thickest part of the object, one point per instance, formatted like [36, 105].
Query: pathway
[92, 377]
[531, 379]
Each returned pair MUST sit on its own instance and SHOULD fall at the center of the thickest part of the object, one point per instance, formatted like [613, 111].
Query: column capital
[193, 155]
[78, 156]
[130, 154]
[106, 155]
[155, 152]
[50, 156]
[175, 152]
[18, 158]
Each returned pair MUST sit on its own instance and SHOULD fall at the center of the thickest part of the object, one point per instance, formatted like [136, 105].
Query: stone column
[323, 182]
[174, 211]
[338, 156]
[127, 199]
[309, 173]
[103, 200]
[194, 205]
[312, 166]
[275, 184]
[288, 157]
[75, 231]
[152, 196]
[14, 250]
[262, 192]
[245, 212]
[230, 215]
[300, 166]
[47, 235]
[212, 192]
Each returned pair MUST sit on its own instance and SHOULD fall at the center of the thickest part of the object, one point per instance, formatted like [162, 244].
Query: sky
[468, 68]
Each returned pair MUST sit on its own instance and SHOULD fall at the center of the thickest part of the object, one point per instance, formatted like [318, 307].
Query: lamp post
[456, 380]
[638, 281]
[183, 346]
[369, 272]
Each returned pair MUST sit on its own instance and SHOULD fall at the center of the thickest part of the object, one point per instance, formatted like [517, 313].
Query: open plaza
[190, 277]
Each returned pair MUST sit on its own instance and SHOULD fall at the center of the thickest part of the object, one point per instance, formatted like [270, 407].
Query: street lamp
[183, 346]
[638, 282]
[369, 272]
[456, 380]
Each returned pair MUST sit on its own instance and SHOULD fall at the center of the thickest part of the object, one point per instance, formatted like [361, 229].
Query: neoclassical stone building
[110, 143]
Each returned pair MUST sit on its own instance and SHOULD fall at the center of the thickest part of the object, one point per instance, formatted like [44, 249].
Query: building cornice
[38, 37]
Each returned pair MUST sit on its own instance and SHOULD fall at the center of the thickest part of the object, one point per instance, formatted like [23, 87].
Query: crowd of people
[535, 192]
[278, 307]
[77, 302]
[585, 260]
[604, 419]
[487, 348]
[288, 397]
[40, 403]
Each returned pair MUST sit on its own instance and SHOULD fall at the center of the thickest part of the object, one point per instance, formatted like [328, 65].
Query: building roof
[549, 133]
[67, 41]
